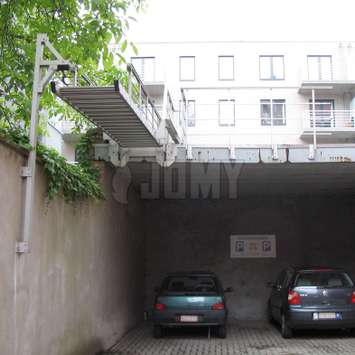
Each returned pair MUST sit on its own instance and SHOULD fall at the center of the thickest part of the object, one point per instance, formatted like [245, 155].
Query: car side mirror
[228, 289]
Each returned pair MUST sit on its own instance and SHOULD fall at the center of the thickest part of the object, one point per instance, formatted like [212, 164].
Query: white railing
[329, 119]
[230, 114]
[141, 99]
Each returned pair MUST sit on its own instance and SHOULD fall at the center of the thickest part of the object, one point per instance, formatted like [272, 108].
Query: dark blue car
[312, 298]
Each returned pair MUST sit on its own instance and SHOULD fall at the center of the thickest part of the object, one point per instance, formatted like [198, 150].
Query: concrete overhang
[250, 180]
[71, 137]
[337, 87]
[154, 88]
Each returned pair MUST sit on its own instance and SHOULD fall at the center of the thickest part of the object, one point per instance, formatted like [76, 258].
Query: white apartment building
[245, 94]
[244, 102]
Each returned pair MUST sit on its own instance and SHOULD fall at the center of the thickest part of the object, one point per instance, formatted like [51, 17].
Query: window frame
[180, 62]
[264, 120]
[271, 56]
[319, 56]
[143, 58]
[322, 101]
[219, 113]
[219, 68]
[322, 121]
[188, 119]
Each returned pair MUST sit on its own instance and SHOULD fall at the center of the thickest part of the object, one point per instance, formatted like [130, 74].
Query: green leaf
[80, 30]
[124, 45]
[134, 48]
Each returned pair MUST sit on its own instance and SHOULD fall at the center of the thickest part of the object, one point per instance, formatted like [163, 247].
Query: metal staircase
[128, 116]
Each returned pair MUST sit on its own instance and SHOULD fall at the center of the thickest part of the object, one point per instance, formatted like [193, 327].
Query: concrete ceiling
[248, 179]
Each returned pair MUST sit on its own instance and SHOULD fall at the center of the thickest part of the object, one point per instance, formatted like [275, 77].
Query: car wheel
[222, 331]
[157, 331]
[286, 331]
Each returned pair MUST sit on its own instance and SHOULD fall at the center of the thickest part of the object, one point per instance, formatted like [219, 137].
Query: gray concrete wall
[195, 234]
[80, 288]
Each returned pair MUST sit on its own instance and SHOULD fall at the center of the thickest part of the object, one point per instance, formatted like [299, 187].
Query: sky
[245, 20]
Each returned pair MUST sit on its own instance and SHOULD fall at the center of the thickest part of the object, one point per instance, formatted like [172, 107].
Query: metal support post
[130, 83]
[40, 80]
[313, 149]
[314, 120]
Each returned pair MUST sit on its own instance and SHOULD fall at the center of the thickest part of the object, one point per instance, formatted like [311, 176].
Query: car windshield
[199, 284]
[331, 279]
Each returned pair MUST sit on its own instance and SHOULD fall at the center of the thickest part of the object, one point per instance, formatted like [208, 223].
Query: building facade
[247, 94]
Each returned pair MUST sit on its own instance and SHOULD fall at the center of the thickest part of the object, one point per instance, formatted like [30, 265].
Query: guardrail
[329, 119]
[141, 99]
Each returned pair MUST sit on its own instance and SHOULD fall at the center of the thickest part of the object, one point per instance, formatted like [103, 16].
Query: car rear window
[199, 284]
[332, 279]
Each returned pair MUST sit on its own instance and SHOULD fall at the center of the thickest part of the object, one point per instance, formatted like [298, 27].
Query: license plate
[189, 319]
[326, 315]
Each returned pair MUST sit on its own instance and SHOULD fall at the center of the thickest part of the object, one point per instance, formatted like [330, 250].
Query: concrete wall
[80, 288]
[195, 234]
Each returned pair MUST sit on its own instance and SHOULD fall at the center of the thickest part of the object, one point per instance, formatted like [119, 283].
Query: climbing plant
[72, 181]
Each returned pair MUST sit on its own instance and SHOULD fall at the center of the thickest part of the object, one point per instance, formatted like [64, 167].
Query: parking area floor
[245, 338]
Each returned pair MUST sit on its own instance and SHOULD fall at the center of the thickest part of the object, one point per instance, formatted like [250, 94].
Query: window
[271, 67]
[320, 67]
[191, 113]
[226, 67]
[331, 279]
[145, 67]
[324, 113]
[226, 110]
[187, 68]
[195, 284]
[274, 109]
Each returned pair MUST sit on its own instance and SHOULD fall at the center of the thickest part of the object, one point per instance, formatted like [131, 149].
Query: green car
[190, 299]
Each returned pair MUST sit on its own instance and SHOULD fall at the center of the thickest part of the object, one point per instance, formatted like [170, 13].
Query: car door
[276, 295]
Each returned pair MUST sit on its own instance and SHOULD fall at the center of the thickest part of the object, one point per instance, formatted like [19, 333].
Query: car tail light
[218, 306]
[353, 297]
[160, 306]
[294, 298]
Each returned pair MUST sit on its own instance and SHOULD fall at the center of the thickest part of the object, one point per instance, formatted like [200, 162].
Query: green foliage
[73, 182]
[14, 135]
[85, 151]
[81, 30]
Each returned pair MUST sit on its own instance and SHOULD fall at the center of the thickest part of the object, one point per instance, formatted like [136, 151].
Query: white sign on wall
[253, 246]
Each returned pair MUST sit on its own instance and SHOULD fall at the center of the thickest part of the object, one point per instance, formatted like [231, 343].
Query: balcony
[328, 125]
[333, 87]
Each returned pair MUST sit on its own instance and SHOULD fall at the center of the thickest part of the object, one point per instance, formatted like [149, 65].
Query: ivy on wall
[74, 182]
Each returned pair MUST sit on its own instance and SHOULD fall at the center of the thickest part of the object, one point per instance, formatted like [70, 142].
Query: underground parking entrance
[244, 222]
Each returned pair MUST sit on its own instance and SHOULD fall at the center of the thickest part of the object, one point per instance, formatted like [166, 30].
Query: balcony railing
[329, 119]
[141, 99]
